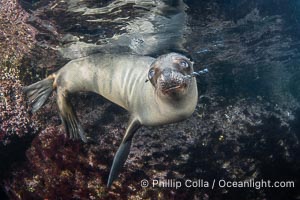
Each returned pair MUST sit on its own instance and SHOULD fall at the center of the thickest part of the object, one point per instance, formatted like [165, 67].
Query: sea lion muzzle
[170, 74]
[168, 80]
[172, 81]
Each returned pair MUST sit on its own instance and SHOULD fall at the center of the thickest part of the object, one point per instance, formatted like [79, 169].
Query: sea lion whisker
[198, 73]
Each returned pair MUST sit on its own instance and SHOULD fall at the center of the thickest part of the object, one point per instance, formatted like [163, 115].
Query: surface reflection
[139, 27]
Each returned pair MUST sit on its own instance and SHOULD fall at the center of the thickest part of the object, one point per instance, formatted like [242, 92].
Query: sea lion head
[169, 75]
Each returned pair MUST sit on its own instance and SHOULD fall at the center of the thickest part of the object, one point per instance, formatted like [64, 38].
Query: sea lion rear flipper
[123, 151]
[38, 93]
[69, 118]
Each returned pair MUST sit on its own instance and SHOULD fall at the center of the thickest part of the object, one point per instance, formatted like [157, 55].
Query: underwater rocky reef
[246, 125]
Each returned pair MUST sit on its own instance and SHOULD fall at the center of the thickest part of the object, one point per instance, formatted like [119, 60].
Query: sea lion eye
[184, 64]
[151, 74]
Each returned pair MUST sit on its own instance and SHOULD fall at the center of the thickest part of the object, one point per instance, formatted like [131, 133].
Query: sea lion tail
[123, 151]
[39, 92]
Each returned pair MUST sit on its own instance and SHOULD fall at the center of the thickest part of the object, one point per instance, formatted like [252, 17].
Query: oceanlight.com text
[200, 183]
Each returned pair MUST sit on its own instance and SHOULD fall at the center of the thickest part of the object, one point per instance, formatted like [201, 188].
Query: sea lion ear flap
[191, 62]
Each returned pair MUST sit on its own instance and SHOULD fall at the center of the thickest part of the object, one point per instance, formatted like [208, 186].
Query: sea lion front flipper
[68, 116]
[123, 151]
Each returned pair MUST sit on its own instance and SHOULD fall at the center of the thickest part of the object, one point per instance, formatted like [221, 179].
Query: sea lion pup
[154, 91]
